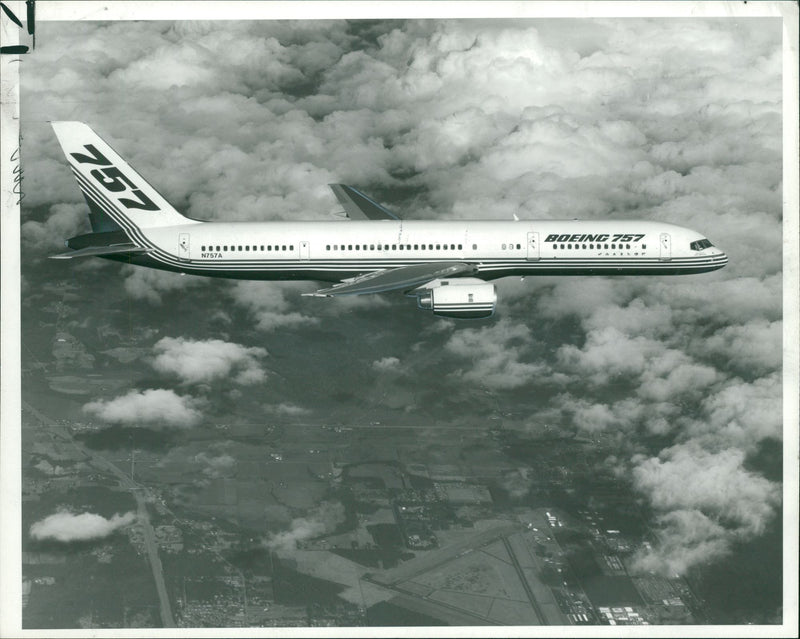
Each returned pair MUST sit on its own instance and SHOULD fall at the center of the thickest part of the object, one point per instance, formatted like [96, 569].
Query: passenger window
[262, 248]
[627, 246]
[218, 249]
[613, 246]
[605, 245]
[591, 246]
[247, 248]
[225, 248]
[459, 247]
[474, 247]
[644, 246]
[569, 246]
[504, 247]
[371, 247]
[416, 247]
[583, 246]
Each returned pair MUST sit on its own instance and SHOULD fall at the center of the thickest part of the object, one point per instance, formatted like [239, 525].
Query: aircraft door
[665, 247]
[183, 247]
[533, 246]
[304, 251]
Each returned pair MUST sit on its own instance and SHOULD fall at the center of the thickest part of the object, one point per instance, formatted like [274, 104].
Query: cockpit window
[699, 245]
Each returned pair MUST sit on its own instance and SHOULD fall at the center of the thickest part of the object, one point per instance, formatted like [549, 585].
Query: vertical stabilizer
[118, 197]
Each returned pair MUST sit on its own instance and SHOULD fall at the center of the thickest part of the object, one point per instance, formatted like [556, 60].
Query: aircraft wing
[395, 278]
[358, 206]
[98, 251]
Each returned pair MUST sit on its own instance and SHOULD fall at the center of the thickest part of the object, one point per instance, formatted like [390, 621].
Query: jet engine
[463, 298]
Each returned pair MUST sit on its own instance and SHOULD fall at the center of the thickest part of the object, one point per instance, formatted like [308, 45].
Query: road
[139, 493]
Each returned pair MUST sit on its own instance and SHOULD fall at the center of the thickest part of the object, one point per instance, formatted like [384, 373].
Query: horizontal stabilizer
[358, 206]
[99, 251]
[395, 278]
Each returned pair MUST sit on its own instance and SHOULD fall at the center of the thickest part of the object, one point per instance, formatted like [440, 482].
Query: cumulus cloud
[686, 539]
[742, 414]
[707, 501]
[288, 409]
[47, 236]
[152, 285]
[386, 364]
[268, 303]
[756, 347]
[321, 520]
[198, 362]
[216, 466]
[156, 408]
[495, 352]
[517, 483]
[66, 527]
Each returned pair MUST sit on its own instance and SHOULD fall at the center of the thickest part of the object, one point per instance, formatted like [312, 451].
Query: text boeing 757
[446, 265]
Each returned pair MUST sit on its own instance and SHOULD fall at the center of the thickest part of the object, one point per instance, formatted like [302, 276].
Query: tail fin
[118, 197]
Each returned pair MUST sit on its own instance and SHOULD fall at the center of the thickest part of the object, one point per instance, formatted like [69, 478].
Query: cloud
[198, 362]
[707, 500]
[742, 414]
[386, 364]
[517, 483]
[63, 221]
[609, 354]
[157, 408]
[686, 539]
[67, 527]
[268, 304]
[216, 466]
[756, 347]
[150, 285]
[494, 351]
[290, 410]
[321, 520]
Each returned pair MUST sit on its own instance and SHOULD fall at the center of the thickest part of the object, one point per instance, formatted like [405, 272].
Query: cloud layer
[670, 120]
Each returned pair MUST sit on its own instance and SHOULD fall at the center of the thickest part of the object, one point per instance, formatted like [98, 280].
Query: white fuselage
[335, 250]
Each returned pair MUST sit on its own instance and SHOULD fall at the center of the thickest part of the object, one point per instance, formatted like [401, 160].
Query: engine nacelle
[463, 298]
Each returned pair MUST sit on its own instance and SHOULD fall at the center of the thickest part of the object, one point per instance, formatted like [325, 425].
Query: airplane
[447, 265]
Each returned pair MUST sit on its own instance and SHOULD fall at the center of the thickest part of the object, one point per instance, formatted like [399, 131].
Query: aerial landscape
[602, 451]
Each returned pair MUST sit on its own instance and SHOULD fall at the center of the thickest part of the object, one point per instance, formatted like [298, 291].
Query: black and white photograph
[467, 320]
